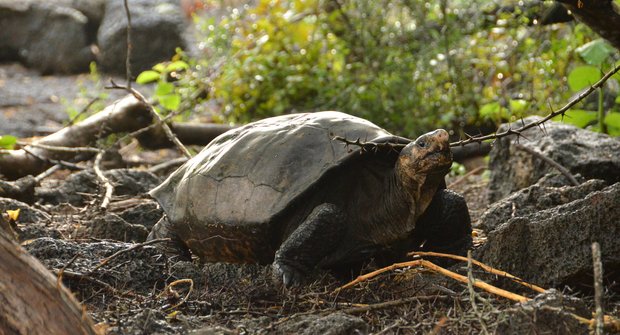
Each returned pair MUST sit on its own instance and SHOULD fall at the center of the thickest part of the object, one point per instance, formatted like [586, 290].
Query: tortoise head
[422, 166]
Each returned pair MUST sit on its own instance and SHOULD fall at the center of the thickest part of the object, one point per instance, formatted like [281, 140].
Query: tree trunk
[31, 300]
[602, 16]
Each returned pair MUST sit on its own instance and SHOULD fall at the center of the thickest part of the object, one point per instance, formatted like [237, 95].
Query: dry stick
[481, 265]
[171, 136]
[129, 45]
[109, 189]
[392, 303]
[598, 288]
[467, 175]
[47, 173]
[61, 148]
[120, 252]
[177, 282]
[436, 268]
[551, 162]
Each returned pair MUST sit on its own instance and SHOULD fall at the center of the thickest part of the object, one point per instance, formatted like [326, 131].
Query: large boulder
[552, 246]
[592, 155]
[47, 36]
[157, 28]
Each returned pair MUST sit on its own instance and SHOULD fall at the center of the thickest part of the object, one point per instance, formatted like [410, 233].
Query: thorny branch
[371, 146]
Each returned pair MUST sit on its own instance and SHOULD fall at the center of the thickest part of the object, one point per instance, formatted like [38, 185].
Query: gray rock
[49, 37]
[592, 155]
[533, 199]
[157, 27]
[333, 324]
[27, 214]
[113, 227]
[553, 246]
[548, 313]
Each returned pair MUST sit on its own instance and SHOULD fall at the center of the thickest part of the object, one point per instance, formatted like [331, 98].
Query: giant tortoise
[283, 191]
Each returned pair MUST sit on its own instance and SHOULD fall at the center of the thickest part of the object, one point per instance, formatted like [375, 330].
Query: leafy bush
[407, 65]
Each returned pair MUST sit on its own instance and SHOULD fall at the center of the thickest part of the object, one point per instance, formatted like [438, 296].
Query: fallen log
[124, 115]
[32, 300]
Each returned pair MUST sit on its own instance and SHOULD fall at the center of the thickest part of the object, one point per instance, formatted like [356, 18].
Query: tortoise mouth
[437, 162]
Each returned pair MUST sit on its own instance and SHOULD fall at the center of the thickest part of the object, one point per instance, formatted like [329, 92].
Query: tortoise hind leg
[445, 226]
[174, 247]
[314, 239]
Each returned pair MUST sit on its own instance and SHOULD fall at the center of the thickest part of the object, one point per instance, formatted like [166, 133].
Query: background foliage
[407, 65]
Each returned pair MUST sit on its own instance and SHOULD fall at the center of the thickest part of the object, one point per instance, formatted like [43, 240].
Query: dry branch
[431, 266]
[30, 300]
[485, 267]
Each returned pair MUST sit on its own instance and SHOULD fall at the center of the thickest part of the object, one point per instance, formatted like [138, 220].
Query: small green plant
[597, 55]
[164, 75]
[8, 142]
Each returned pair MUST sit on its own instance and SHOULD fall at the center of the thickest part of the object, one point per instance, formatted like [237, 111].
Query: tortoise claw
[287, 275]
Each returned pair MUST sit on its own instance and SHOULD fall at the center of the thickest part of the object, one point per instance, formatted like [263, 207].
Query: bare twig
[481, 265]
[60, 148]
[120, 252]
[510, 131]
[47, 173]
[538, 123]
[436, 268]
[129, 45]
[160, 121]
[393, 303]
[175, 283]
[109, 189]
[551, 162]
[467, 175]
[598, 288]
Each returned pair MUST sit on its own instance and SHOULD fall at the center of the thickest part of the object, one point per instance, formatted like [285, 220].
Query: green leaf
[8, 141]
[582, 77]
[578, 117]
[164, 88]
[159, 67]
[518, 106]
[177, 65]
[612, 120]
[490, 110]
[170, 101]
[148, 76]
[595, 52]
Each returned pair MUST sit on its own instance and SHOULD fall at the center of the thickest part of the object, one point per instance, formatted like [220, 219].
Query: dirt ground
[142, 291]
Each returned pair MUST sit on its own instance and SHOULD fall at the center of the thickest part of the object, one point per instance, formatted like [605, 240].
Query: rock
[548, 313]
[337, 323]
[157, 27]
[47, 36]
[543, 195]
[81, 187]
[580, 151]
[145, 214]
[31, 223]
[113, 227]
[553, 246]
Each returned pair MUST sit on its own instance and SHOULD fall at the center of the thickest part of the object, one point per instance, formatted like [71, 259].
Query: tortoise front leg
[315, 238]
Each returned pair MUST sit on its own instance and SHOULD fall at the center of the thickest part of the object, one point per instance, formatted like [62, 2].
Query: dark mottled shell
[231, 191]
